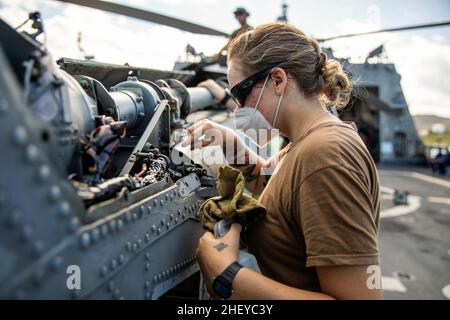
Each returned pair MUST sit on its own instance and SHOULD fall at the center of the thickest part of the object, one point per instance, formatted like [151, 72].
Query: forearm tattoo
[220, 246]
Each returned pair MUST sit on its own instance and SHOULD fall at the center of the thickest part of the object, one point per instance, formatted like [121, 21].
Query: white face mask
[246, 117]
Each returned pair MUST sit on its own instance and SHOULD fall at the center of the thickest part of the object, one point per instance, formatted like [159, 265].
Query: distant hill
[424, 122]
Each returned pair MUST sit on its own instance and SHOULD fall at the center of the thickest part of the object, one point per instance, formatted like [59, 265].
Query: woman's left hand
[216, 90]
[216, 254]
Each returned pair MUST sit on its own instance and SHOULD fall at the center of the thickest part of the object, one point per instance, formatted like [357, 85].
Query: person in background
[241, 16]
[439, 163]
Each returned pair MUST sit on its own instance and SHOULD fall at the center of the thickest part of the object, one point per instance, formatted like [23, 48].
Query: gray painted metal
[144, 137]
[139, 249]
[200, 98]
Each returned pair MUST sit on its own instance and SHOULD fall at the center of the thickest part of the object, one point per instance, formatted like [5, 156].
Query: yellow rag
[232, 202]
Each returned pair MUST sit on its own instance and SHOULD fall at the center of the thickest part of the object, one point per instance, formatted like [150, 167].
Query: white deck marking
[439, 200]
[393, 284]
[446, 291]
[421, 176]
[413, 204]
[434, 180]
[387, 196]
[387, 190]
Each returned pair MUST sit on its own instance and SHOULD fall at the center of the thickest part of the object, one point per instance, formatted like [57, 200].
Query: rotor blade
[431, 25]
[147, 16]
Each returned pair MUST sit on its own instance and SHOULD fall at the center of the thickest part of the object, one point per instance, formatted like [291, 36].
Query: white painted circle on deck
[446, 291]
[413, 204]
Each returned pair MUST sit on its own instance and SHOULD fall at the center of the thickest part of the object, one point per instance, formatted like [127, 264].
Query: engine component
[99, 147]
[103, 190]
[124, 212]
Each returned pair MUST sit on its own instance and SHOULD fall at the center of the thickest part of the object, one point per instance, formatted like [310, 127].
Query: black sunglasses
[241, 90]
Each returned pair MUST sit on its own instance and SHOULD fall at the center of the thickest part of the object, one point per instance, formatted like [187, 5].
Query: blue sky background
[422, 57]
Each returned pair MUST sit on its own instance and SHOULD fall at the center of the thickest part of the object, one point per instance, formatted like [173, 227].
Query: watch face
[222, 287]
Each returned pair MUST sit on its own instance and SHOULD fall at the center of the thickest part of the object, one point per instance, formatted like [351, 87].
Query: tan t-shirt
[322, 205]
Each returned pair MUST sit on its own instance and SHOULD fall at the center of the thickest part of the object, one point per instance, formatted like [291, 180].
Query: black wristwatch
[222, 283]
[225, 99]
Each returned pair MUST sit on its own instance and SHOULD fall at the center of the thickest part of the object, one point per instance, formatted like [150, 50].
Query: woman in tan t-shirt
[319, 238]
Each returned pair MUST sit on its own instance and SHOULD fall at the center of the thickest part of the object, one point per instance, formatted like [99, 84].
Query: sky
[421, 57]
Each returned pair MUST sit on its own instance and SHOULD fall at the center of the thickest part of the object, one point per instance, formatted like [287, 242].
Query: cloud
[355, 48]
[425, 68]
[109, 37]
[423, 63]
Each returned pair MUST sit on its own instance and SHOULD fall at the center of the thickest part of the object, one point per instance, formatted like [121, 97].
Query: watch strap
[230, 272]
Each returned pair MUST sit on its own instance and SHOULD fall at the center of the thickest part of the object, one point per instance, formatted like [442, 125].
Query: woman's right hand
[207, 132]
